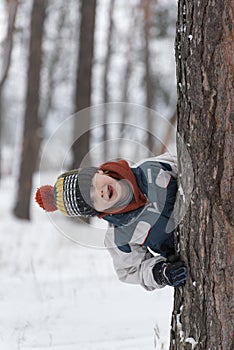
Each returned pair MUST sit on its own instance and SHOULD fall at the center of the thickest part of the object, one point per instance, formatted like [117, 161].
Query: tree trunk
[8, 42]
[203, 310]
[106, 86]
[129, 67]
[83, 79]
[31, 140]
[146, 4]
[6, 60]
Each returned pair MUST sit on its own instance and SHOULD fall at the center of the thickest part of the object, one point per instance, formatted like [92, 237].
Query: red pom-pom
[45, 198]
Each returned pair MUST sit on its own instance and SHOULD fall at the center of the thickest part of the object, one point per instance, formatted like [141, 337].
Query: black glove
[171, 274]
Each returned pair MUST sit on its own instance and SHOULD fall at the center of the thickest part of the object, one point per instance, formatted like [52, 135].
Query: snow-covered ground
[59, 295]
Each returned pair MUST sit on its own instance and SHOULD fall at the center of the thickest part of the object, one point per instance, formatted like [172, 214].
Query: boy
[138, 203]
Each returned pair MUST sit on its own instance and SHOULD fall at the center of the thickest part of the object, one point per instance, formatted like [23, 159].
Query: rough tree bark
[203, 315]
[31, 139]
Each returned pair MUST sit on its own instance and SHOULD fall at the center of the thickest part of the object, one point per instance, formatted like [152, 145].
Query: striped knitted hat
[70, 194]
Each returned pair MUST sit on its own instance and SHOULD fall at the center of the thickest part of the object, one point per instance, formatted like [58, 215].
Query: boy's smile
[105, 191]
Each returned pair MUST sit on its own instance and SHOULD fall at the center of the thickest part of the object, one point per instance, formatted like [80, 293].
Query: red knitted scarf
[121, 170]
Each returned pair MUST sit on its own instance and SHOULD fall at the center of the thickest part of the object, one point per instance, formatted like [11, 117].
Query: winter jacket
[139, 239]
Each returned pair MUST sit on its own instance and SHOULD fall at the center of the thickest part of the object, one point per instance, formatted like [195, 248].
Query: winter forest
[86, 81]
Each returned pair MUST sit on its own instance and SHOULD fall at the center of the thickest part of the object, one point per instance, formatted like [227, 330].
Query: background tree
[6, 57]
[146, 6]
[55, 50]
[203, 311]
[106, 84]
[84, 79]
[31, 132]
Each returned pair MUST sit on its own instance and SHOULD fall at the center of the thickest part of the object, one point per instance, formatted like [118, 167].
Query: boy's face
[105, 191]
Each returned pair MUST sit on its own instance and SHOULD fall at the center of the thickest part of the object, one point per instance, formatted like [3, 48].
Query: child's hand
[171, 274]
